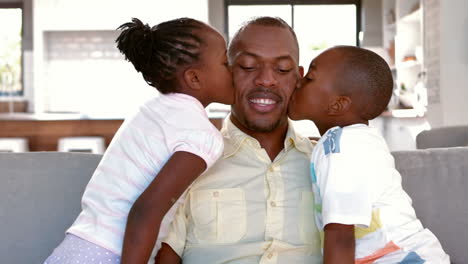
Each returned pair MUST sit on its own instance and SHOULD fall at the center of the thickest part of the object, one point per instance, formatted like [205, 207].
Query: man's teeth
[262, 101]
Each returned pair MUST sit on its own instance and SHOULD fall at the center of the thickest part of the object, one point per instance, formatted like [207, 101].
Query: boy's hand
[166, 255]
[339, 244]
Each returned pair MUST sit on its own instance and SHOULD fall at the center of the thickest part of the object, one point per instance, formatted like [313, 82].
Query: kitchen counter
[78, 116]
[53, 116]
[44, 130]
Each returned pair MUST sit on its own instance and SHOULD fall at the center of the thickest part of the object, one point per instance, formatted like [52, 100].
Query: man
[255, 205]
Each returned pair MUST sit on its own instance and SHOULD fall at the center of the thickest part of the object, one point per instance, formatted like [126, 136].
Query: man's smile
[263, 102]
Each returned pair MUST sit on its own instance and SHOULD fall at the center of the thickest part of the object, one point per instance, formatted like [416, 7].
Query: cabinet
[403, 41]
[44, 130]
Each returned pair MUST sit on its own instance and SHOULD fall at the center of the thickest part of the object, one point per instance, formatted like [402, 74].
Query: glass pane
[10, 51]
[319, 27]
[238, 14]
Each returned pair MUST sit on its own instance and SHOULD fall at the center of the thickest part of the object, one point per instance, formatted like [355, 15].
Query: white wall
[454, 62]
[108, 14]
[448, 106]
[371, 15]
[113, 82]
[216, 15]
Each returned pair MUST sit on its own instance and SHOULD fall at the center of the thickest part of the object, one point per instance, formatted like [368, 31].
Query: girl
[157, 153]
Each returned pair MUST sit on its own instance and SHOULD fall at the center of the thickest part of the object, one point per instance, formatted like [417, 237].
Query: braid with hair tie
[159, 51]
[134, 42]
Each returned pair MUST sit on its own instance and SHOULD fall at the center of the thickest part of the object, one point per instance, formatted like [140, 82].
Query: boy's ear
[192, 78]
[339, 105]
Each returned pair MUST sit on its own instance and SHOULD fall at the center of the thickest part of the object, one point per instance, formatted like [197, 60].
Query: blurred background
[61, 74]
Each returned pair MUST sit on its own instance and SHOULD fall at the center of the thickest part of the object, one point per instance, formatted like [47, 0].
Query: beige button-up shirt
[248, 209]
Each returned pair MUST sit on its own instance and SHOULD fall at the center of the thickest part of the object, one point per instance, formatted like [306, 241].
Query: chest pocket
[219, 215]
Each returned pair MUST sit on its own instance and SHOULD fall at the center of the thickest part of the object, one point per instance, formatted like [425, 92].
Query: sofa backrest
[40, 197]
[437, 181]
[443, 137]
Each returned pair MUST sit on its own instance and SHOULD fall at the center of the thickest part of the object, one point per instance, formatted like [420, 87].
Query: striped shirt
[140, 148]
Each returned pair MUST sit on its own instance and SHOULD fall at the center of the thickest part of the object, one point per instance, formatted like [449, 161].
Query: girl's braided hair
[158, 52]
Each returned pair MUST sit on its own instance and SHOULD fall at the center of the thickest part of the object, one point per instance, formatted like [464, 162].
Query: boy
[360, 206]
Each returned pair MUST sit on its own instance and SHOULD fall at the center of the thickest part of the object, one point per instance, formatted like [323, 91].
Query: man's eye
[247, 68]
[284, 70]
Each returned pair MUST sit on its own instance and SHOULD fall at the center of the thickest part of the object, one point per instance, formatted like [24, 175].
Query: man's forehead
[260, 54]
[267, 44]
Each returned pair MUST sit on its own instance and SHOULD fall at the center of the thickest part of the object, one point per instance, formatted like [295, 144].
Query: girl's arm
[166, 255]
[146, 214]
[339, 244]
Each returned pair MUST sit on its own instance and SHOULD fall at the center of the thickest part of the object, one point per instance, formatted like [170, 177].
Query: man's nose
[266, 78]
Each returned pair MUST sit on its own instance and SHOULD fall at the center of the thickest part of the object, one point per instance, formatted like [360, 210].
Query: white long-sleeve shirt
[140, 148]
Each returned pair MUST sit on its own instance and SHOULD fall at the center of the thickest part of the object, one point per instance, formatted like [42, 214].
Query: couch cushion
[40, 194]
[437, 181]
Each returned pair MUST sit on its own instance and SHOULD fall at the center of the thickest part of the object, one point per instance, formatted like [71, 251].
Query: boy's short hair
[372, 82]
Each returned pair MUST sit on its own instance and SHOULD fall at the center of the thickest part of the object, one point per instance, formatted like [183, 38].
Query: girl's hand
[149, 209]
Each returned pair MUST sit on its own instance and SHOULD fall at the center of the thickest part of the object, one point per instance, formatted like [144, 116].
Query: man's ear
[301, 72]
[339, 105]
[192, 78]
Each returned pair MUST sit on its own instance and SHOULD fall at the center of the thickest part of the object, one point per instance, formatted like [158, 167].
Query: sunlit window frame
[227, 3]
[12, 5]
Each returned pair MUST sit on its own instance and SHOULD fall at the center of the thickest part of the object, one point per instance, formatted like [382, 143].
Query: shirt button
[270, 169]
[273, 204]
[270, 256]
[216, 194]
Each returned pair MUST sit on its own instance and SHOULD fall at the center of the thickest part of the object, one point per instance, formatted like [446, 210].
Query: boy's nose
[300, 82]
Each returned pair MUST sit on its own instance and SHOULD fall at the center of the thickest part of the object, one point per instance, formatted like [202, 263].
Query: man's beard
[264, 128]
[259, 125]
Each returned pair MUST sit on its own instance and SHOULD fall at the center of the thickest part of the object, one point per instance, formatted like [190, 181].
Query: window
[11, 50]
[318, 24]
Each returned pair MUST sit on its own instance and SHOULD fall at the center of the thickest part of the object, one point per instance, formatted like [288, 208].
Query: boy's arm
[339, 244]
[166, 255]
[149, 209]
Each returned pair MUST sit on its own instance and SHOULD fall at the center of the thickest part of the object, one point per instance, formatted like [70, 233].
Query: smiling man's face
[265, 73]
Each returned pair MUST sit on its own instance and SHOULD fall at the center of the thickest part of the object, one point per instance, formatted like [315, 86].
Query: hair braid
[159, 52]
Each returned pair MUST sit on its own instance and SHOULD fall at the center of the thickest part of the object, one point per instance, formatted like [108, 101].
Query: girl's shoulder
[175, 104]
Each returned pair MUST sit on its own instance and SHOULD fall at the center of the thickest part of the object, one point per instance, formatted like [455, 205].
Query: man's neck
[272, 141]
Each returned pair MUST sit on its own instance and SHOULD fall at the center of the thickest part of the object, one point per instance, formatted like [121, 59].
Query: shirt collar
[234, 138]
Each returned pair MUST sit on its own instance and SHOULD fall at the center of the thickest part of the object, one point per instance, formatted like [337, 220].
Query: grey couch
[40, 197]
[443, 137]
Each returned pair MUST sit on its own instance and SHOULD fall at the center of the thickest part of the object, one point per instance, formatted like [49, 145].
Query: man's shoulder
[304, 144]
